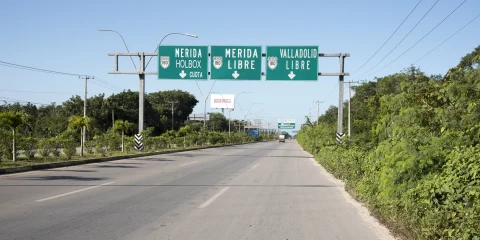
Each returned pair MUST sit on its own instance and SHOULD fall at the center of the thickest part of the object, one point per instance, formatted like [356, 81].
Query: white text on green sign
[292, 63]
[183, 62]
[236, 62]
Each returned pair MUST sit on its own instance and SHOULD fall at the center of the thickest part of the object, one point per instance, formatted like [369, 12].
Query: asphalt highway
[257, 191]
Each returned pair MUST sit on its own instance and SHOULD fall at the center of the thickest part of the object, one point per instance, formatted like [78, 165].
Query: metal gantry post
[340, 97]
[141, 98]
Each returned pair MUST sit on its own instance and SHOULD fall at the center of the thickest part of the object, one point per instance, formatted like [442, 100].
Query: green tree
[218, 122]
[123, 126]
[82, 123]
[13, 120]
[182, 109]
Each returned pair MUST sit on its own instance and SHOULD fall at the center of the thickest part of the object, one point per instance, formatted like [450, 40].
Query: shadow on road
[154, 159]
[71, 170]
[116, 166]
[52, 178]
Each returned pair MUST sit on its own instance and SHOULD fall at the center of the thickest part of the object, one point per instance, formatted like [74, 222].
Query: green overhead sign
[236, 62]
[183, 62]
[286, 125]
[292, 63]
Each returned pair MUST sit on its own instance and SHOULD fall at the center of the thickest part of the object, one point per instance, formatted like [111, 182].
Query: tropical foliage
[414, 153]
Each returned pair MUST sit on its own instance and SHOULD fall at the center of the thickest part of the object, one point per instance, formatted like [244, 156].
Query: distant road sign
[292, 63]
[183, 62]
[286, 125]
[236, 62]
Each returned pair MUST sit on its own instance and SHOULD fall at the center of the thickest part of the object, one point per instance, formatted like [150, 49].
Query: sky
[63, 36]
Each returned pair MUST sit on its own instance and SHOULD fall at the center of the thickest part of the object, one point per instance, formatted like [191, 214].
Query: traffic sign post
[292, 63]
[183, 62]
[236, 62]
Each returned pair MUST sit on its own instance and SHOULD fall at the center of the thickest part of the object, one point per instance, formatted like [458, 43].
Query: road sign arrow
[291, 75]
[182, 74]
[235, 75]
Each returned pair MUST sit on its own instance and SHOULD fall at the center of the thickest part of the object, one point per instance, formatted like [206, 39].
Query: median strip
[69, 193]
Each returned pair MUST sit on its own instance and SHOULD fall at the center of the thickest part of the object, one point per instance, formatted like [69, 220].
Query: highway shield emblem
[164, 61]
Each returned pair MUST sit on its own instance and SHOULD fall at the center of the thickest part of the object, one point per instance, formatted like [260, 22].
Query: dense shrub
[29, 146]
[46, 147]
[414, 154]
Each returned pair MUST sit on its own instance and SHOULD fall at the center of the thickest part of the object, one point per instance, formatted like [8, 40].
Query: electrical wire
[421, 39]
[18, 100]
[389, 37]
[22, 91]
[403, 39]
[464, 26]
[103, 83]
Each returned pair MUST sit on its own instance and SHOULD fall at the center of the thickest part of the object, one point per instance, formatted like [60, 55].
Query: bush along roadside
[65, 147]
[414, 153]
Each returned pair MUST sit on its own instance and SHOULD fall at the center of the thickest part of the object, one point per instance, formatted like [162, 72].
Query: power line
[108, 84]
[18, 100]
[389, 37]
[420, 38]
[464, 26]
[24, 91]
[333, 89]
[403, 39]
[7, 64]
[23, 67]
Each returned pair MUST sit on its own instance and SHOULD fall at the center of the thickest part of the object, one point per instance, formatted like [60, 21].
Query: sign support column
[340, 99]
[141, 96]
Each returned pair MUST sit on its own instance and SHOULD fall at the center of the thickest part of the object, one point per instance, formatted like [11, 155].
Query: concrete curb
[4, 171]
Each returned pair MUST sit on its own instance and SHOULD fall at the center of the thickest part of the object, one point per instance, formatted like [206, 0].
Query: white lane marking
[255, 166]
[205, 204]
[187, 163]
[69, 193]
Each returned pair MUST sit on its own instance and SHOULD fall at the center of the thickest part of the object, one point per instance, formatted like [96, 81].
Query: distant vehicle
[281, 138]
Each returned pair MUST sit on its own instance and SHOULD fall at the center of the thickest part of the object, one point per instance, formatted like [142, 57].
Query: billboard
[222, 101]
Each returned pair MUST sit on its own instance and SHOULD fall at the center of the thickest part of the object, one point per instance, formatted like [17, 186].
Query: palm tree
[12, 120]
[122, 126]
[76, 122]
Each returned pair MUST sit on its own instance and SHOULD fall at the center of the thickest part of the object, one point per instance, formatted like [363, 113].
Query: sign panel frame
[294, 69]
[174, 65]
[219, 63]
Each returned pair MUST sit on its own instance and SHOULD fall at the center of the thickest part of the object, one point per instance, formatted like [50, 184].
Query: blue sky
[64, 36]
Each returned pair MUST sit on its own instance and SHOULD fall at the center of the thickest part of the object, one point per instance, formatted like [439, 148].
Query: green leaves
[414, 156]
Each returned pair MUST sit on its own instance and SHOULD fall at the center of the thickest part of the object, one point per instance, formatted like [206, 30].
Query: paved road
[257, 191]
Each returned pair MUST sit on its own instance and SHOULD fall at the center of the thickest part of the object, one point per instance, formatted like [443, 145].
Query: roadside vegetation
[414, 154]
[31, 134]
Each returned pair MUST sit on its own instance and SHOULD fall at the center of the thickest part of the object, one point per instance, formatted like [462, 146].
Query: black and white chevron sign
[138, 142]
[339, 137]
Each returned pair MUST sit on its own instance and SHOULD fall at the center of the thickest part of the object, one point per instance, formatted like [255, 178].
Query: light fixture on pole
[141, 73]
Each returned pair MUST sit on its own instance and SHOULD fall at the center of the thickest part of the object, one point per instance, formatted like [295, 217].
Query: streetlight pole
[249, 111]
[141, 74]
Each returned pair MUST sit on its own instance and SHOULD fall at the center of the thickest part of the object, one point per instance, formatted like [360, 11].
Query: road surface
[257, 191]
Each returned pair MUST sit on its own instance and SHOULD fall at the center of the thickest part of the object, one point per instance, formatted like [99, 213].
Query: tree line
[57, 128]
[414, 153]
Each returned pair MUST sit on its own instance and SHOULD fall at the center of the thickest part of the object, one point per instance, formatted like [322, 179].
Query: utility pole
[349, 97]
[205, 112]
[84, 129]
[318, 109]
[113, 119]
[172, 102]
[229, 111]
